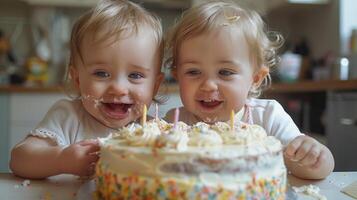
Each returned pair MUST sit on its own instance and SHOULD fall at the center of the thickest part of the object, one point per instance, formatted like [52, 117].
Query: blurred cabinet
[341, 129]
[19, 114]
[328, 108]
[22, 109]
[26, 111]
[4, 145]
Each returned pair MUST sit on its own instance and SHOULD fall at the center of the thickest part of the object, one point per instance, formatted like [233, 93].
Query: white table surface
[67, 187]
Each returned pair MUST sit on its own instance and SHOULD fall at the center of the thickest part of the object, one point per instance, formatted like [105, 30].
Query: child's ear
[260, 75]
[73, 71]
[158, 81]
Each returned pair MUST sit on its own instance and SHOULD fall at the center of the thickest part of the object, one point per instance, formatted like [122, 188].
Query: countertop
[70, 187]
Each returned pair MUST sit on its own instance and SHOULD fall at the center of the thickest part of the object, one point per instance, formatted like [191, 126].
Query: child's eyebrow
[232, 62]
[95, 63]
[189, 62]
[139, 67]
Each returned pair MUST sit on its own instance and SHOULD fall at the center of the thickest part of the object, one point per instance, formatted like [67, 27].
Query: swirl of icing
[125, 132]
[221, 127]
[162, 124]
[202, 135]
[144, 136]
[255, 133]
[245, 134]
[174, 139]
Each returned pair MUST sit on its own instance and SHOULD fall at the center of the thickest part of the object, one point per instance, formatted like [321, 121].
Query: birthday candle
[232, 120]
[176, 117]
[156, 111]
[144, 115]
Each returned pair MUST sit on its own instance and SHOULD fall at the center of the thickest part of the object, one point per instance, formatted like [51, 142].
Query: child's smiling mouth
[209, 105]
[116, 110]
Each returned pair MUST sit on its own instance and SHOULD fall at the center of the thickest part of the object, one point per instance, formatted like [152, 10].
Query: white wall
[348, 21]
[318, 23]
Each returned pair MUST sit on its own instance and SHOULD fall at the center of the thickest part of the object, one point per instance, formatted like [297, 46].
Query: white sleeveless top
[67, 122]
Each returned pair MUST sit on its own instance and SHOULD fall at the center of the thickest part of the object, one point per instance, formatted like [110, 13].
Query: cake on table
[159, 160]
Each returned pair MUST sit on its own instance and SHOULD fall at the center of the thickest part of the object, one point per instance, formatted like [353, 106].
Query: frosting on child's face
[117, 78]
[214, 73]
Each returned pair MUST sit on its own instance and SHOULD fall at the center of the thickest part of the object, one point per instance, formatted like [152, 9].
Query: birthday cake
[158, 160]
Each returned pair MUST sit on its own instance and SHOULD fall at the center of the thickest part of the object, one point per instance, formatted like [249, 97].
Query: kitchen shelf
[28, 89]
[313, 86]
[298, 87]
[304, 86]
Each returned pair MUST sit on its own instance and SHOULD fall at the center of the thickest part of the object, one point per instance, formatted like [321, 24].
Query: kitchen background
[316, 80]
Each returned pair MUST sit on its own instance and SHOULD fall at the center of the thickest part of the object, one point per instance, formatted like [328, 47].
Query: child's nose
[209, 85]
[119, 88]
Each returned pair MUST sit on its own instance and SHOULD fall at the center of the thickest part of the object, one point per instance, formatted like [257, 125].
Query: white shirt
[264, 112]
[67, 122]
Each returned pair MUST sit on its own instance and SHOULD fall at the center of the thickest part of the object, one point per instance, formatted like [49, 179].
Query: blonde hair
[213, 15]
[110, 19]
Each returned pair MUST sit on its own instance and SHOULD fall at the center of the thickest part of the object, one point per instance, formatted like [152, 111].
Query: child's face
[215, 74]
[117, 78]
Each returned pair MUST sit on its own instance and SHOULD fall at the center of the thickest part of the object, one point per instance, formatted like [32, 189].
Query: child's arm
[40, 158]
[306, 158]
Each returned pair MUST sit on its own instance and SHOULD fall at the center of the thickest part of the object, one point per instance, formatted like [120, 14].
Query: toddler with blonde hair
[221, 55]
[115, 69]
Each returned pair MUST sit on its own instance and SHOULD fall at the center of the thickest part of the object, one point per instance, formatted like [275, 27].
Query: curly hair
[213, 15]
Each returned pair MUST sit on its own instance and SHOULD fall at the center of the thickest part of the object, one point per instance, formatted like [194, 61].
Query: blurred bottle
[341, 69]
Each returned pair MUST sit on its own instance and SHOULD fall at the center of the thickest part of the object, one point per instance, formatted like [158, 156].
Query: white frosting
[174, 139]
[202, 136]
[212, 153]
[142, 136]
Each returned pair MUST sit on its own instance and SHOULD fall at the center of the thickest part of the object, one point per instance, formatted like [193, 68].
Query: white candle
[232, 120]
[176, 117]
[156, 111]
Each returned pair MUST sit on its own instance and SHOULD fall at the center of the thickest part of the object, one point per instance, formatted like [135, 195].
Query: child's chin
[210, 119]
[115, 123]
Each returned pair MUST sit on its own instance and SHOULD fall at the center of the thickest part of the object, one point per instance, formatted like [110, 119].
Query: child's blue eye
[136, 75]
[102, 74]
[193, 72]
[225, 73]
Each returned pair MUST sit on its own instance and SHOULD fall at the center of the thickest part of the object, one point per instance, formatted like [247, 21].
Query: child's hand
[306, 151]
[80, 158]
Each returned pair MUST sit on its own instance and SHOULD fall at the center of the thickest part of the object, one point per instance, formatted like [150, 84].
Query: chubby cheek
[92, 89]
[143, 95]
[187, 93]
[236, 97]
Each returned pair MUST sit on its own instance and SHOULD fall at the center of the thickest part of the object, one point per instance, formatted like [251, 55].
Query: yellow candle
[144, 115]
[232, 120]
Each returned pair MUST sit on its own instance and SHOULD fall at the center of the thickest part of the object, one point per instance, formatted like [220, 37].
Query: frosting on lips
[116, 110]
